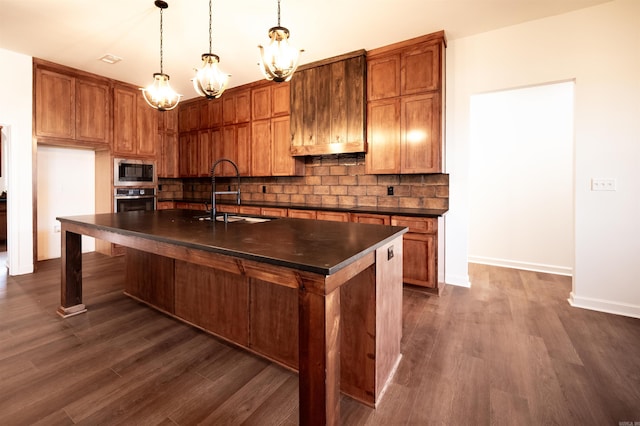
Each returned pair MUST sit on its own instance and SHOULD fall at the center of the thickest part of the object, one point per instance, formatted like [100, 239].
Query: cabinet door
[261, 148]
[227, 149]
[420, 259]
[383, 77]
[214, 107]
[124, 120]
[55, 111]
[188, 146]
[168, 120]
[188, 117]
[236, 107]
[421, 69]
[93, 106]
[146, 128]
[168, 163]
[282, 163]
[243, 148]
[261, 103]
[205, 147]
[280, 94]
[383, 153]
[420, 140]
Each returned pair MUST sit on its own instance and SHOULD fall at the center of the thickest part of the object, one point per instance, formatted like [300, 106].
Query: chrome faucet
[213, 186]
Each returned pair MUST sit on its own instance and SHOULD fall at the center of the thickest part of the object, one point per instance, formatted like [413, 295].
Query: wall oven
[134, 199]
[132, 172]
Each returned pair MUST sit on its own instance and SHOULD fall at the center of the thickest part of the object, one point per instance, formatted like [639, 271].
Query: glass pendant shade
[279, 59]
[210, 81]
[160, 95]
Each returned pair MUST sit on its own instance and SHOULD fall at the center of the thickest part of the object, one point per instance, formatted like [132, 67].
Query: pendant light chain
[210, 18]
[161, 58]
[278, 12]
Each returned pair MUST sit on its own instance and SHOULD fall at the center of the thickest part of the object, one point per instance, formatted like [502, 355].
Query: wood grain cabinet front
[420, 250]
[404, 107]
[328, 106]
[135, 124]
[71, 107]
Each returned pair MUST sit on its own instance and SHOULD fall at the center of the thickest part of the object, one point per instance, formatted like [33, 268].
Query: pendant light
[210, 81]
[279, 58]
[159, 94]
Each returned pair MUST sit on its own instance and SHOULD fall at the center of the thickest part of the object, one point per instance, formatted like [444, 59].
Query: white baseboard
[527, 266]
[604, 306]
[458, 280]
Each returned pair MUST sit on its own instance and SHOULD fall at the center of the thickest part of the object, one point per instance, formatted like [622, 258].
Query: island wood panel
[273, 211]
[217, 301]
[273, 312]
[150, 278]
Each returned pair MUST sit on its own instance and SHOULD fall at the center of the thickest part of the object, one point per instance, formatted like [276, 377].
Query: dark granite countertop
[310, 245]
[372, 210]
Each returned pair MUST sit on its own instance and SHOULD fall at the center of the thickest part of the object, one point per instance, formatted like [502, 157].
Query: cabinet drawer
[273, 211]
[225, 208]
[164, 205]
[249, 210]
[376, 219]
[422, 225]
[303, 214]
[334, 216]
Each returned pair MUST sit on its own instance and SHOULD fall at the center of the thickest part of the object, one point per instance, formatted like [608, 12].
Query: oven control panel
[134, 192]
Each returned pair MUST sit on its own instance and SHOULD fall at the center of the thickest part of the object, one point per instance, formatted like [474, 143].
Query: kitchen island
[324, 298]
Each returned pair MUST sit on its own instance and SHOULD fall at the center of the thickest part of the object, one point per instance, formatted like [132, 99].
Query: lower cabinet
[420, 244]
[420, 250]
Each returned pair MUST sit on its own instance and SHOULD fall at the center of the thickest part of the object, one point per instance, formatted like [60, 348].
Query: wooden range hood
[328, 106]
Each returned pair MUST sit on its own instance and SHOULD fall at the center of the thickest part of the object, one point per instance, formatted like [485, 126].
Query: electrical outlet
[56, 228]
[390, 253]
[389, 190]
[603, 184]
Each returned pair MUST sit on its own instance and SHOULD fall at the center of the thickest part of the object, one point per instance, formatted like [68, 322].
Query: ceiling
[77, 33]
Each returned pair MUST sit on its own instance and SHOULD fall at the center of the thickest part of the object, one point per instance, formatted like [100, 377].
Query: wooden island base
[263, 318]
[340, 329]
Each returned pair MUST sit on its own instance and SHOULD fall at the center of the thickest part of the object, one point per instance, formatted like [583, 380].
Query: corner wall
[599, 47]
[16, 117]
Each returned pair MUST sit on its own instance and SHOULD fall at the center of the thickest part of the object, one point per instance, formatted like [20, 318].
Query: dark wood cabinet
[168, 152]
[405, 102]
[71, 107]
[135, 124]
[261, 148]
[420, 250]
[236, 106]
[328, 106]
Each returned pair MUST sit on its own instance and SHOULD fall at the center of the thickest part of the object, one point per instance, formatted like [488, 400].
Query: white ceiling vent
[110, 59]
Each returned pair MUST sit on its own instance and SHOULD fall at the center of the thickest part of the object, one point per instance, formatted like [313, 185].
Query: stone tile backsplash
[335, 180]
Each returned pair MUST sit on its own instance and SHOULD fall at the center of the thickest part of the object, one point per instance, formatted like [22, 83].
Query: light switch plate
[603, 184]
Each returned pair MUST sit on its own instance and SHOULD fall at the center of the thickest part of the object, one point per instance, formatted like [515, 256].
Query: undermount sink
[236, 219]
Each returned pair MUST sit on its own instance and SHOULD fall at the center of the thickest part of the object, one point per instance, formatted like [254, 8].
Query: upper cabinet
[405, 103]
[328, 106]
[71, 107]
[135, 124]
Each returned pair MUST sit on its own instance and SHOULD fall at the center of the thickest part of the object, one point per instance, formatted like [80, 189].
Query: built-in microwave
[133, 172]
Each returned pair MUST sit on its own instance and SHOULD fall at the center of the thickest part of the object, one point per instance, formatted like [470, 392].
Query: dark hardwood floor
[508, 351]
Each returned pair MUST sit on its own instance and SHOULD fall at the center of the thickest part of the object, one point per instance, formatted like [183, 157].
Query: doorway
[521, 178]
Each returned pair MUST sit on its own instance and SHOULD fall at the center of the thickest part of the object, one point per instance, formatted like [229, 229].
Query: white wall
[521, 178]
[66, 187]
[599, 47]
[16, 116]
